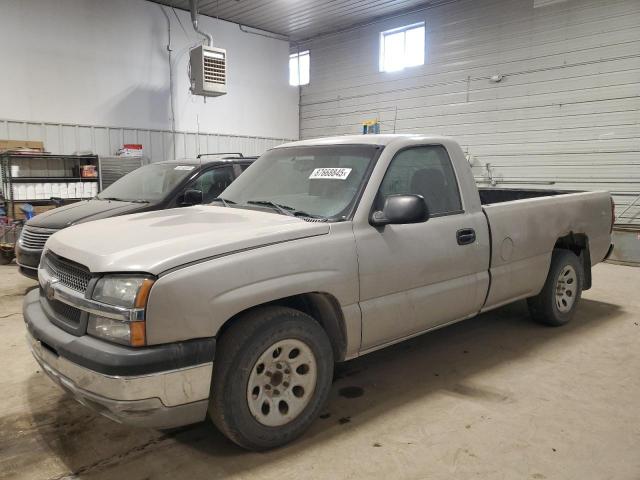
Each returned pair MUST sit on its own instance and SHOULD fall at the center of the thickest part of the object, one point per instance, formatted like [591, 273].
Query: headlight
[126, 333]
[130, 293]
[123, 291]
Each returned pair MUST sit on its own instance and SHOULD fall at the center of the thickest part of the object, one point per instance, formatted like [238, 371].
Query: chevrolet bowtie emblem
[49, 292]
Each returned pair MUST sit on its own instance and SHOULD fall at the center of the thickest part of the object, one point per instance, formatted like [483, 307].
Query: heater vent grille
[215, 70]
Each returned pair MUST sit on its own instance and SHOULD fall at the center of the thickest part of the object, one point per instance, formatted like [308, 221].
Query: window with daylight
[402, 47]
[299, 68]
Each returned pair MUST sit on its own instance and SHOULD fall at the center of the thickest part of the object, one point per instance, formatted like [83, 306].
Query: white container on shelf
[39, 188]
[21, 168]
[48, 189]
[71, 190]
[94, 189]
[55, 189]
[64, 193]
[31, 191]
[20, 191]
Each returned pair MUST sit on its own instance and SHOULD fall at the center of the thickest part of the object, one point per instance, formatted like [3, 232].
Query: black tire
[239, 349]
[549, 308]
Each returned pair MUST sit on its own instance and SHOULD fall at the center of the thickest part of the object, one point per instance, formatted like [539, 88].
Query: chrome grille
[34, 238]
[68, 273]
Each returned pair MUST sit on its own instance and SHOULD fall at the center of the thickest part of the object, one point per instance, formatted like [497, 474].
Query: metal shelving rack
[114, 168]
[70, 163]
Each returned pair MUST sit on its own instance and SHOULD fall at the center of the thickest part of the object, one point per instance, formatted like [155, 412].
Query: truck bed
[490, 196]
[524, 227]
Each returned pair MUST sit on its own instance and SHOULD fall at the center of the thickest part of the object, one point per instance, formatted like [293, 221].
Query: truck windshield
[150, 183]
[315, 181]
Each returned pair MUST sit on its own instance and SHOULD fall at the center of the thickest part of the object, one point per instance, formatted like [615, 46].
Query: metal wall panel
[158, 144]
[565, 115]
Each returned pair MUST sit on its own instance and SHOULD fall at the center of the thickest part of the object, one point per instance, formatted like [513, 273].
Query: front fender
[195, 301]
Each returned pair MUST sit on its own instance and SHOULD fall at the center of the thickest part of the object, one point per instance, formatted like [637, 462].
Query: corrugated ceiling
[301, 19]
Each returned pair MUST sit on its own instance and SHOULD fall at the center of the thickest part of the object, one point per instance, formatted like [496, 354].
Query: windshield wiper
[284, 209]
[225, 202]
[116, 199]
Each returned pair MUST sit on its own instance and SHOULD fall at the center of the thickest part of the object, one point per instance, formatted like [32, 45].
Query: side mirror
[400, 209]
[191, 197]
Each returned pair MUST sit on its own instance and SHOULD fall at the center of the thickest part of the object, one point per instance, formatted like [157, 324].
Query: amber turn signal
[138, 334]
[143, 293]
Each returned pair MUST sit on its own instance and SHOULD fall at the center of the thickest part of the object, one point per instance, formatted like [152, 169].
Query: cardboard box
[6, 145]
[37, 209]
[88, 171]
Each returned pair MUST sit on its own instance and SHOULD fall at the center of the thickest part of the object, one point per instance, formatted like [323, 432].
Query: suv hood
[154, 242]
[84, 211]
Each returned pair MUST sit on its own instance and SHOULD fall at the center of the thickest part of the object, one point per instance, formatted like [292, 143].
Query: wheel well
[322, 307]
[578, 243]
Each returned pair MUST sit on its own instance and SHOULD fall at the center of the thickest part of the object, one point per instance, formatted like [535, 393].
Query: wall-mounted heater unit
[208, 71]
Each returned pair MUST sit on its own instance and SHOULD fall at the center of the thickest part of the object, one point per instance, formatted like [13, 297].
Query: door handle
[465, 236]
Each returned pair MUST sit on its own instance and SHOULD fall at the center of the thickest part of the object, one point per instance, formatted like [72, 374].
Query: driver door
[417, 276]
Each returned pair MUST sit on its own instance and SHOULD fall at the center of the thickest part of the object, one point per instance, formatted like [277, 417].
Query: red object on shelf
[132, 146]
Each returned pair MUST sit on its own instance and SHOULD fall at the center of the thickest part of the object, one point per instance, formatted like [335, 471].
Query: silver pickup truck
[323, 250]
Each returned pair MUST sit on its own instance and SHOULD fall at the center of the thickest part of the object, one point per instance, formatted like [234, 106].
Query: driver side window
[212, 183]
[425, 171]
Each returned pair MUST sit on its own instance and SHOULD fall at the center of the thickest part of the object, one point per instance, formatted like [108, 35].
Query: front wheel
[272, 376]
[557, 302]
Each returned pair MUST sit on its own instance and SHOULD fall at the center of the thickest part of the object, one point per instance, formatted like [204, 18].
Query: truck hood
[84, 211]
[157, 241]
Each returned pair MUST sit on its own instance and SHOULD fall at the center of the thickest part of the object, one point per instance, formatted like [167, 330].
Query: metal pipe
[172, 102]
[194, 21]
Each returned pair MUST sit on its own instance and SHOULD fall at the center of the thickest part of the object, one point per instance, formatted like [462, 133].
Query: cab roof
[375, 139]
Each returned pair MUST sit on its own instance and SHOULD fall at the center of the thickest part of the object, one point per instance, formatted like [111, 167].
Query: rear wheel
[271, 377]
[557, 302]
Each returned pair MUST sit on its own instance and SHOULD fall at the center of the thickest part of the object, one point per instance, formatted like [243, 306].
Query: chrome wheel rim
[282, 382]
[566, 288]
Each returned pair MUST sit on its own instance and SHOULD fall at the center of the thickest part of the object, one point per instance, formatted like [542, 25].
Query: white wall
[105, 63]
[566, 115]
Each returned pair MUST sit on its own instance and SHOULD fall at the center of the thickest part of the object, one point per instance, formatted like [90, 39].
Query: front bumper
[161, 399]
[28, 261]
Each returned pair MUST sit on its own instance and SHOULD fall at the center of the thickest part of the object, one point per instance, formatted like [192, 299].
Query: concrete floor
[494, 397]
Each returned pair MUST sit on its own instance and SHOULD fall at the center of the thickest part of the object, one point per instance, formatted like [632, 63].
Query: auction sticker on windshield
[330, 173]
[184, 167]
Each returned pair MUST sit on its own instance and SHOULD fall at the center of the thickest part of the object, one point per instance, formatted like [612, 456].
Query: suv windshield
[317, 181]
[150, 183]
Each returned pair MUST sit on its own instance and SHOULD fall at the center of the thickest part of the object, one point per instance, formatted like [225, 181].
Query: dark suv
[156, 186]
